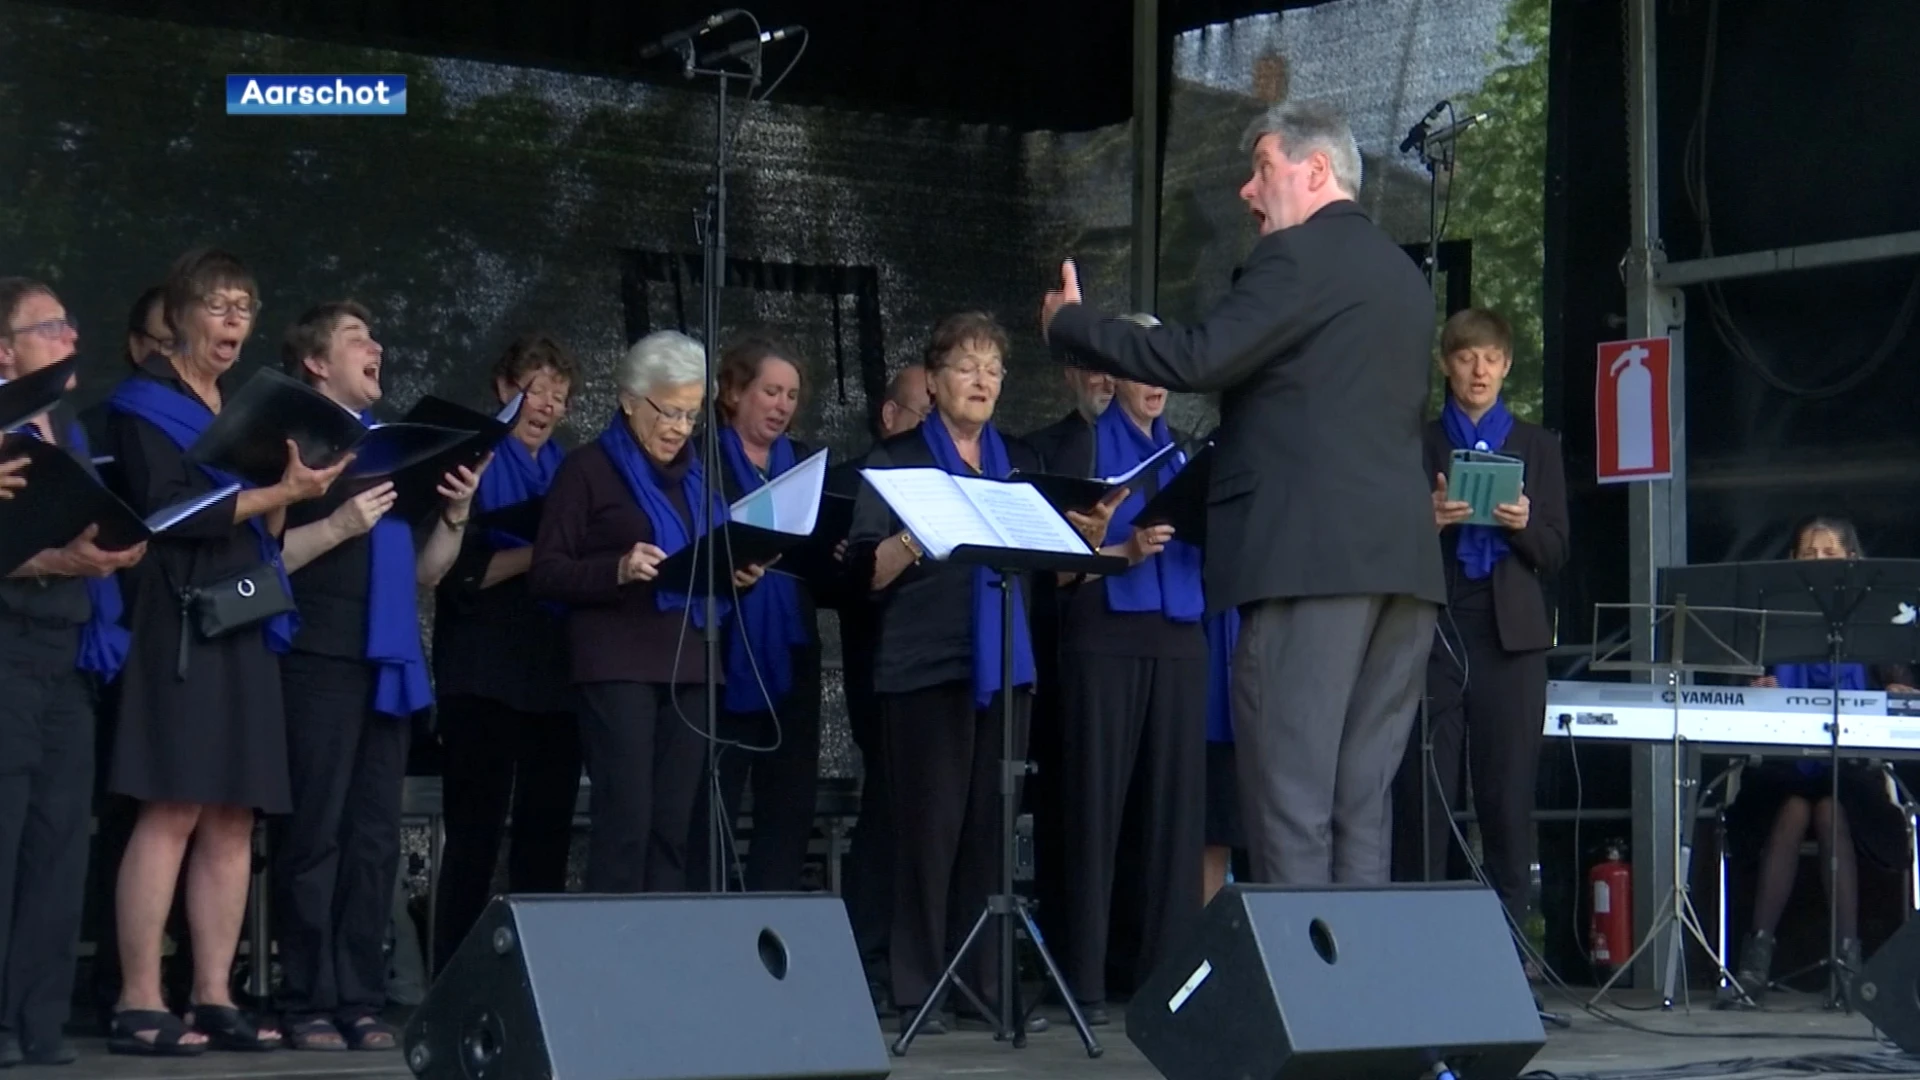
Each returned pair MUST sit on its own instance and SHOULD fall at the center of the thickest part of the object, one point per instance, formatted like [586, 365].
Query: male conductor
[1319, 519]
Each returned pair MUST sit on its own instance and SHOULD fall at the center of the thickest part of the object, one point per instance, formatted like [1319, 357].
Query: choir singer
[618, 508]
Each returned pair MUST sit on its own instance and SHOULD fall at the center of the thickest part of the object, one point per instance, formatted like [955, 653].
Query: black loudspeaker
[1887, 989]
[1335, 983]
[657, 987]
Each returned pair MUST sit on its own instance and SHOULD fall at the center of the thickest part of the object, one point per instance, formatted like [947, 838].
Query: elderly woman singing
[618, 508]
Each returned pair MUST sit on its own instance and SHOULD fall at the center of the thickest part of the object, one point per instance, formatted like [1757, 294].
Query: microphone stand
[713, 250]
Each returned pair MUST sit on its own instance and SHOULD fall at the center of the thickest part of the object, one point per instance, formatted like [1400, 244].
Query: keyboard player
[1781, 803]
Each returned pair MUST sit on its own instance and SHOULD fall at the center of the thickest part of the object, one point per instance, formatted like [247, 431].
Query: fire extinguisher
[1610, 931]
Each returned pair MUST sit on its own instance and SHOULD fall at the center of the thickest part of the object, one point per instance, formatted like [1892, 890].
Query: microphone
[749, 45]
[1452, 131]
[681, 37]
[1417, 134]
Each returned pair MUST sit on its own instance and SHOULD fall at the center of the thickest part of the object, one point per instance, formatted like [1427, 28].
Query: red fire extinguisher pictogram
[1610, 933]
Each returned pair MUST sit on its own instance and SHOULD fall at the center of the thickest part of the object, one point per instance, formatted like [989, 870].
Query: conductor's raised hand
[1067, 293]
[1447, 511]
[641, 564]
[1514, 515]
[1145, 543]
[304, 483]
[1092, 525]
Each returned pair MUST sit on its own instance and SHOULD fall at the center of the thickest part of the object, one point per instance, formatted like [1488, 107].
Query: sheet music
[510, 412]
[933, 508]
[1021, 516]
[168, 516]
[1153, 461]
[789, 503]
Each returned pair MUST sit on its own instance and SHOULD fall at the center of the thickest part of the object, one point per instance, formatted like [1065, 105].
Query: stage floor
[1792, 1026]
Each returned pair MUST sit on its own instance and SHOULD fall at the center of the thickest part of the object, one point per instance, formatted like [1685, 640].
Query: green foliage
[1499, 193]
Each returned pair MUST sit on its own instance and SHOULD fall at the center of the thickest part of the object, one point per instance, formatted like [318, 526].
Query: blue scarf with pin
[994, 465]
[1481, 546]
[401, 686]
[670, 532]
[182, 419]
[1169, 582]
[103, 641]
[760, 646]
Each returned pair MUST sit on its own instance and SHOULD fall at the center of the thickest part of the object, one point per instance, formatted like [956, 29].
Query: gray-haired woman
[618, 508]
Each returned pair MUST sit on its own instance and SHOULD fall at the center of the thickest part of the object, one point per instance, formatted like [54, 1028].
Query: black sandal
[227, 1028]
[368, 1033]
[167, 1030]
[315, 1034]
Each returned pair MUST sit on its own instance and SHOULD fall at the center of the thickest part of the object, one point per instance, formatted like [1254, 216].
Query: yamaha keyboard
[1736, 718]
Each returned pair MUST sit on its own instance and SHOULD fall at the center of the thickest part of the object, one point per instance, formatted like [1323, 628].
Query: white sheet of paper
[789, 503]
[929, 502]
[1153, 461]
[1022, 516]
[168, 516]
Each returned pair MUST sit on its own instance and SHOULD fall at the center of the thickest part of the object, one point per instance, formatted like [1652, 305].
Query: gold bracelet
[456, 526]
[906, 541]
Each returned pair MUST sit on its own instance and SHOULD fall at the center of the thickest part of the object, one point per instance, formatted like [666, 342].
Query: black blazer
[926, 615]
[1539, 550]
[1322, 350]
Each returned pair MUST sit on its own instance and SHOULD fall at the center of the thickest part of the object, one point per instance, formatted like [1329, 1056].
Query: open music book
[788, 503]
[944, 512]
[760, 525]
[1082, 494]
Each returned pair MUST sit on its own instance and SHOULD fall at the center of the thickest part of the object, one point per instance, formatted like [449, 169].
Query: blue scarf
[401, 687]
[1223, 635]
[182, 419]
[1481, 546]
[103, 641]
[515, 477]
[1820, 676]
[1169, 582]
[986, 603]
[769, 628]
[669, 529]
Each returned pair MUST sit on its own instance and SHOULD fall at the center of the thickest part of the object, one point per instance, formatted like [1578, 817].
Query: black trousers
[337, 855]
[1132, 724]
[497, 759]
[644, 750]
[944, 757]
[46, 793]
[1486, 711]
[781, 758]
[868, 885]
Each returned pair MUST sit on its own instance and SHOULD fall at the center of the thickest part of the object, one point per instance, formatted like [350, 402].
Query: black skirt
[1223, 799]
[1878, 827]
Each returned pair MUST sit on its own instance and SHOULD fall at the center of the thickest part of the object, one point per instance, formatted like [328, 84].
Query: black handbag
[230, 604]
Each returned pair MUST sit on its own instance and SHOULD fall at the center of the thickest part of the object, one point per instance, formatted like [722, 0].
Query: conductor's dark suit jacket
[1321, 352]
[1535, 552]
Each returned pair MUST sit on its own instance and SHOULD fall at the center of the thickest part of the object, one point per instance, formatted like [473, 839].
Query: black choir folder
[761, 526]
[61, 499]
[521, 519]
[249, 437]
[418, 484]
[28, 396]
[1081, 494]
[1182, 503]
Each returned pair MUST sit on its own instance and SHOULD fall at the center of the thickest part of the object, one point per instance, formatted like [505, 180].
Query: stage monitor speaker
[658, 987]
[1887, 989]
[1335, 983]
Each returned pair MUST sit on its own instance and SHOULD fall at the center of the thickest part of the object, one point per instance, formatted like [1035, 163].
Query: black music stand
[1007, 905]
[1861, 611]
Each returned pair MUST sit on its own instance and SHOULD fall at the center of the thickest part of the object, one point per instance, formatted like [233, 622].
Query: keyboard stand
[1678, 619]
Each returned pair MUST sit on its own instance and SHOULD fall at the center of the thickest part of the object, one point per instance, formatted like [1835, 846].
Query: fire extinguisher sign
[1631, 397]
